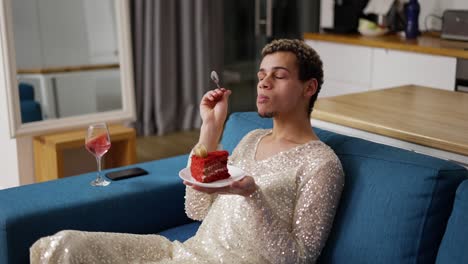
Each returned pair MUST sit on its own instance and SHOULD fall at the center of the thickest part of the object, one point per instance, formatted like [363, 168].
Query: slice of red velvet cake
[212, 167]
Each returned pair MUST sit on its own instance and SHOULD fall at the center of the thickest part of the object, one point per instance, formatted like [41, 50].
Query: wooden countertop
[427, 43]
[67, 69]
[426, 116]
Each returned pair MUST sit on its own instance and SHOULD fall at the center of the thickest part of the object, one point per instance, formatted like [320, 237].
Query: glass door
[248, 26]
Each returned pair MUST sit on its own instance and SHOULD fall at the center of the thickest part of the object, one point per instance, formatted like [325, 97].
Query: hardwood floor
[158, 147]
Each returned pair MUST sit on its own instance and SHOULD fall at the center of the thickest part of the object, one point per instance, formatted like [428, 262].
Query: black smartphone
[127, 173]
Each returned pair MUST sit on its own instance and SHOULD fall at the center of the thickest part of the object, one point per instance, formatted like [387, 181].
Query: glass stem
[98, 160]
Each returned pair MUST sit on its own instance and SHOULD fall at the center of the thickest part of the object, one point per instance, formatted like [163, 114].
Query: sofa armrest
[142, 205]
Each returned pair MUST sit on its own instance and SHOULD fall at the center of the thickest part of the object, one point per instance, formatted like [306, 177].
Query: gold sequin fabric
[287, 220]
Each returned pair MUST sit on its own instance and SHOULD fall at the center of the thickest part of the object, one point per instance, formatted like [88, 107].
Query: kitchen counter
[427, 43]
[425, 116]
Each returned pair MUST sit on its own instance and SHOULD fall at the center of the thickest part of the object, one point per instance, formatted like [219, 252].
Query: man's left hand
[244, 187]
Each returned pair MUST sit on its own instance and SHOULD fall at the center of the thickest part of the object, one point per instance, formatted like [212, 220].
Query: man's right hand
[213, 111]
[213, 106]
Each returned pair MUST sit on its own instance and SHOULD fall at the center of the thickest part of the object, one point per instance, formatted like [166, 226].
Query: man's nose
[265, 83]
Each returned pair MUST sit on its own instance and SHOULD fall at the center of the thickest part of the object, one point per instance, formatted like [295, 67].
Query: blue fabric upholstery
[394, 208]
[143, 205]
[395, 204]
[30, 109]
[26, 92]
[181, 233]
[454, 247]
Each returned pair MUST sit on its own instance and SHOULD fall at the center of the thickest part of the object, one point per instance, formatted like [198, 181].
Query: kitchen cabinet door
[344, 63]
[332, 88]
[394, 68]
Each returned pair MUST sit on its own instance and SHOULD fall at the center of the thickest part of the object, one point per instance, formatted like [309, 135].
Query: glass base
[100, 182]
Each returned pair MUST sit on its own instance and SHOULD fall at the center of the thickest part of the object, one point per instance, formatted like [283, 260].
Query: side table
[49, 150]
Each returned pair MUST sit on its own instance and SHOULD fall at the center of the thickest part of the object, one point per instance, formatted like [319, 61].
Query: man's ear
[311, 87]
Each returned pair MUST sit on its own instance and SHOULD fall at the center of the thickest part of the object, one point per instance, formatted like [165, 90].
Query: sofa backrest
[454, 246]
[30, 108]
[395, 204]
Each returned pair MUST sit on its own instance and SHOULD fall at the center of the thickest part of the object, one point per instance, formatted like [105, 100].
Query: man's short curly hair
[308, 61]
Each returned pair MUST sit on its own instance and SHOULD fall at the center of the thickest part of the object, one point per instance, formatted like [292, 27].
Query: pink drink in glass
[98, 145]
[98, 142]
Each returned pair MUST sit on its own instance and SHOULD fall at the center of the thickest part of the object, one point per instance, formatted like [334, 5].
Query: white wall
[437, 7]
[52, 33]
[101, 27]
[46, 31]
[27, 34]
[460, 4]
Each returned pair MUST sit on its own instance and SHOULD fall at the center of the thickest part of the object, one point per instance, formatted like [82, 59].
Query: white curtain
[176, 44]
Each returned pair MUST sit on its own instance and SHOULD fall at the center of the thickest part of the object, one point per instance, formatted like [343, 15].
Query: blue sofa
[397, 206]
[30, 108]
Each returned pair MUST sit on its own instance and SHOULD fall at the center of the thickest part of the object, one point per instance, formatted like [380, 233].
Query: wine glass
[98, 143]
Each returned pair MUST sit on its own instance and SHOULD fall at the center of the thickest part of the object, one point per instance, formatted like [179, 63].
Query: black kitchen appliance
[347, 14]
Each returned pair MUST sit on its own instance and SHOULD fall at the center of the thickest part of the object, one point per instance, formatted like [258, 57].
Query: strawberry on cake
[209, 166]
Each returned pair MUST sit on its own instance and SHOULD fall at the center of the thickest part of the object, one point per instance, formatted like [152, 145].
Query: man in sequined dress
[289, 80]
[282, 212]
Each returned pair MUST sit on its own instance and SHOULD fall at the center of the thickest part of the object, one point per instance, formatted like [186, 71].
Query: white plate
[236, 174]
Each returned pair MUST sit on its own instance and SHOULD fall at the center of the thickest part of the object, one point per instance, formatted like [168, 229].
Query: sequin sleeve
[317, 199]
[197, 204]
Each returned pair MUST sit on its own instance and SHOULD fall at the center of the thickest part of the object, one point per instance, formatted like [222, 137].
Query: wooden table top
[426, 43]
[74, 138]
[426, 116]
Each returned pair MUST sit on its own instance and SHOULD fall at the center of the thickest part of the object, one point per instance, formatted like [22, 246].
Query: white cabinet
[347, 68]
[332, 87]
[353, 68]
[396, 68]
[76, 93]
[345, 62]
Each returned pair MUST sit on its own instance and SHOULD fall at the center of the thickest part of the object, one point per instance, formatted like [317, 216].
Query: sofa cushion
[181, 233]
[26, 92]
[30, 111]
[454, 247]
[395, 204]
[142, 205]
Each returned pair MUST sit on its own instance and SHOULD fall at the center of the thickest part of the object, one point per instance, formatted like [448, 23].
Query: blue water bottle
[412, 16]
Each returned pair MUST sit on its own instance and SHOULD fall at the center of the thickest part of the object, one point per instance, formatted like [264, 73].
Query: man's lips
[262, 98]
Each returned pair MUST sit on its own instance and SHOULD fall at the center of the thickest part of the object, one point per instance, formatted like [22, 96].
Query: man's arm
[213, 111]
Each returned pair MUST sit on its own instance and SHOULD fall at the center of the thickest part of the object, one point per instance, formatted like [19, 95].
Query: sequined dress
[287, 220]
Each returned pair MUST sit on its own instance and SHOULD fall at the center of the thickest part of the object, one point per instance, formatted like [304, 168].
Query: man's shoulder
[322, 155]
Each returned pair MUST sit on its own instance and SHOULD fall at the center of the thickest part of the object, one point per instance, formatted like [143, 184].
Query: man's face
[279, 89]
